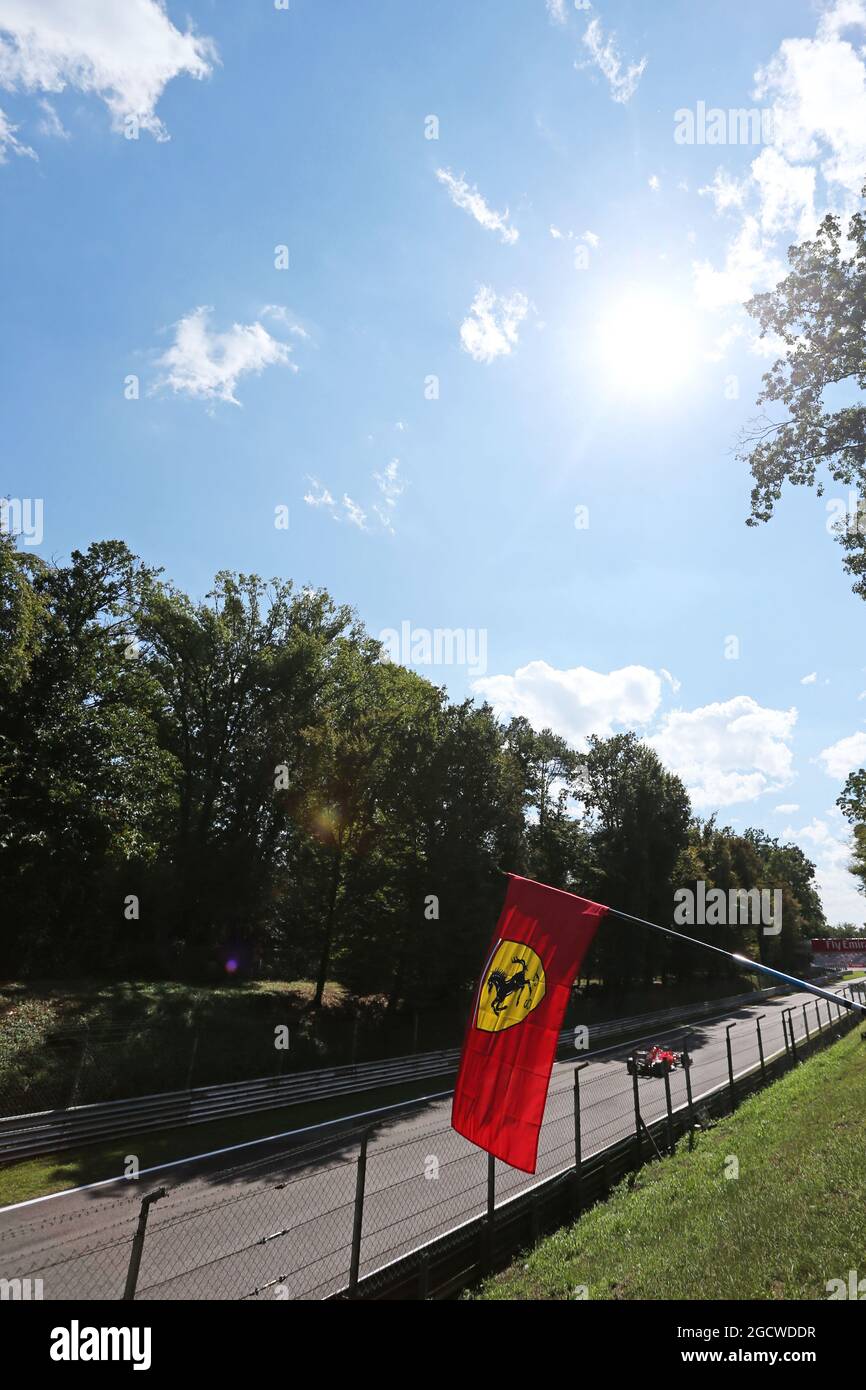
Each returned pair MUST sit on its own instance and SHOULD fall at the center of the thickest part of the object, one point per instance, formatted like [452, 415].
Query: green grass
[145, 1037]
[36, 1177]
[793, 1219]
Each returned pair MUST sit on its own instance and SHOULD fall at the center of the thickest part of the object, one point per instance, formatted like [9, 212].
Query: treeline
[244, 785]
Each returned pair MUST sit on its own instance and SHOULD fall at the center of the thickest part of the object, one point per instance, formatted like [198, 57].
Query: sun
[645, 342]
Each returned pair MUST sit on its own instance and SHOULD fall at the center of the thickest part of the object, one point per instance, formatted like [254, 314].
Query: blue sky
[476, 334]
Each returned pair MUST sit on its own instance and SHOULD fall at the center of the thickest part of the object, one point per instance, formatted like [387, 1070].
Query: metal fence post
[82, 1062]
[669, 1110]
[637, 1114]
[806, 1024]
[578, 1153]
[360, 1183]
[790, 1012]
[192, 1056]
[761, 1049]
[490, 1224]
[424, 1278]
[138, 1243]
[731, 1065]
[688, 1071]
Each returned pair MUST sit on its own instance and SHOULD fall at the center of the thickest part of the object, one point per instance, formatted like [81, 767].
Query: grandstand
[839, 953]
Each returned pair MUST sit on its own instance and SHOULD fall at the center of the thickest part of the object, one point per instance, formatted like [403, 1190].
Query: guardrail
[357, 1214]
[442, 1267]
[47, 1131]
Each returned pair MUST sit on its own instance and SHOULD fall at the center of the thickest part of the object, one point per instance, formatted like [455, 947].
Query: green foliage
[639, 816]
[793, 1219]
[819, 312]
[245, 779]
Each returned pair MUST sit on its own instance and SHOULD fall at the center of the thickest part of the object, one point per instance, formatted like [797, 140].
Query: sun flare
[645, 342]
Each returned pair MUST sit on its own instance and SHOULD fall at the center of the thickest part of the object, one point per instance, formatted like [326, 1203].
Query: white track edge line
[215, 1153]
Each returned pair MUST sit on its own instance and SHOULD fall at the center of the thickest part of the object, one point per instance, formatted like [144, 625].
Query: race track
[274, 1220]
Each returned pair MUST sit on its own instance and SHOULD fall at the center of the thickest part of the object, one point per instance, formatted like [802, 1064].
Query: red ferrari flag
[539, 943]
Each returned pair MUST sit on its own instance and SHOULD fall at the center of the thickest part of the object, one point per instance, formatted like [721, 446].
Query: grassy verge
[36, 1177]
[80, 1041]
[793, 1219]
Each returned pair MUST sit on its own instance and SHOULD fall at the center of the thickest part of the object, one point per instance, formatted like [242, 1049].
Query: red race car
[656, 1060]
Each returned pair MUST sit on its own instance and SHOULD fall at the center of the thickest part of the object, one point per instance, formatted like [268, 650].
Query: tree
[819, 312]
[639, 818]
[83, 775]
[244, 680]
[786, 868]
[555, 845]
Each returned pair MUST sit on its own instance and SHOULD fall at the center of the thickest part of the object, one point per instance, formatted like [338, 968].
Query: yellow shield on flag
[513, 987]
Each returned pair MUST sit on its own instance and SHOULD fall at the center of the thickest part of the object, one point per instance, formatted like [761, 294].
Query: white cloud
[391, 486]
[575, 702]
[490, 329]
[810, 679]
[770, 345]
[347, 510]
[280, 314]
[719, 348]
[354, 514]
[787, 808]
[592, 239]
[556, 10]
[818, 92]
[51, 125]
[786, 193]
[9, 143]
[468, 198]
[726, 192]
[725, 753]
[556, 233]
[844, 756]
[750, 265]
[729, 751]
[604, 54]
[319, 496]
[125, 53]
[827, 842]
[815, 91]
[654, 182]
[208, 365]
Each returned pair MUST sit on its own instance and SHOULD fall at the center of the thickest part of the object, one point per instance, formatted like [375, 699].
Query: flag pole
[744, 962]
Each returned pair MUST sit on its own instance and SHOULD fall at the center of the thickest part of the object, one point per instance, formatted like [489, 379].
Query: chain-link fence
[52, 1067]
[349, 1215]
[86, 1065]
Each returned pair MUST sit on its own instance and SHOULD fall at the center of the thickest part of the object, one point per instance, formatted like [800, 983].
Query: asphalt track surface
[274, 1220]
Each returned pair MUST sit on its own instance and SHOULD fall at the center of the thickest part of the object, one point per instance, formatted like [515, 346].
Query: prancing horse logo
[512, 987]
[515, 985]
